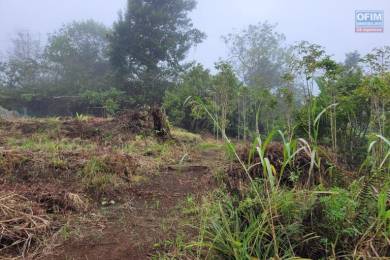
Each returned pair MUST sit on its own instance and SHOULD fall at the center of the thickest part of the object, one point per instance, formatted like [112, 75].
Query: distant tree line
[85, 66]
[267, 85]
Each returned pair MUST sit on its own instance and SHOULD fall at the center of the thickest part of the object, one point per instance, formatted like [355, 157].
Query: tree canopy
[148, 44]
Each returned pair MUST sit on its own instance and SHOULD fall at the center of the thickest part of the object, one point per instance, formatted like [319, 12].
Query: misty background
[328, 23]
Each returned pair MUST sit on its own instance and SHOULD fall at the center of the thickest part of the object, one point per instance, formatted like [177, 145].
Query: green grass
[189, 207]
[82, 118]
[206, 146]
[41, 142]
[58, 162]
[162, 153]
[67, 232]
[184, 136]
[98, 177]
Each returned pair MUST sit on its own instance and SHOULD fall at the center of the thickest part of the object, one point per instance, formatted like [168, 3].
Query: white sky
[326, 22]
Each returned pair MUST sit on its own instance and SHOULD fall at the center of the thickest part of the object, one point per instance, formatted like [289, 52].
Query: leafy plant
[81, 117]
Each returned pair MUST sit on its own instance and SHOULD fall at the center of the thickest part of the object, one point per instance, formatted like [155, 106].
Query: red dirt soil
[131, 233]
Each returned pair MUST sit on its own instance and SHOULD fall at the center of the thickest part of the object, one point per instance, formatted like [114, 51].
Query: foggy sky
[329, 23]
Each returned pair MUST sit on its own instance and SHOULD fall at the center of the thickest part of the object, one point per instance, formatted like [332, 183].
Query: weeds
[43, 143]
[207, 146]
[98, 177]
[185, 137]
[81, 117]
[65, 232]
[267, 220]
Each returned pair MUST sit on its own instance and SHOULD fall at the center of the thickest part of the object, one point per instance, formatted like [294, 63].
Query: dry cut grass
[22, 227]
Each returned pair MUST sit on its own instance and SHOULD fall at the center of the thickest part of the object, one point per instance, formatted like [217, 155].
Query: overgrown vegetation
[267, 218]
[306, 173]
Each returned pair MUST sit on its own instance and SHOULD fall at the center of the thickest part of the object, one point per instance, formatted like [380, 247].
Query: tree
[77, 57]
[378, 60]
[328, 80]
[148, 44]
[309, 57]
[258, 55]
[74, 61]
[352, 60]
[195, 82]
[341, 84]
[3, 76]
[243, 109]
[260, 58]
[377, 88]
[289, 92]
[23, 69]
[225, 90]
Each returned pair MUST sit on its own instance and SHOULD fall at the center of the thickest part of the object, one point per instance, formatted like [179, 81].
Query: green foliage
[383, 212]
[267, 220]
[148, 43]
[216, 92]
[111, 106]
[378, 162]
[339, 209]
[264, 64]
[49, 80]
[245, 229]
[111, 100]
[264, 223]
[195, 82]
[77, 54]
[259, 55]
[224, 94]
[24, 65]
[81, 117]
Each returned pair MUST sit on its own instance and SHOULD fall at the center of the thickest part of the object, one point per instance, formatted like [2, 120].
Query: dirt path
[133, 229]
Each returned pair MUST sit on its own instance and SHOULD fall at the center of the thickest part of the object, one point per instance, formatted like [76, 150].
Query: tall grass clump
[98, 177]
[316, 220]
[251, 227]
